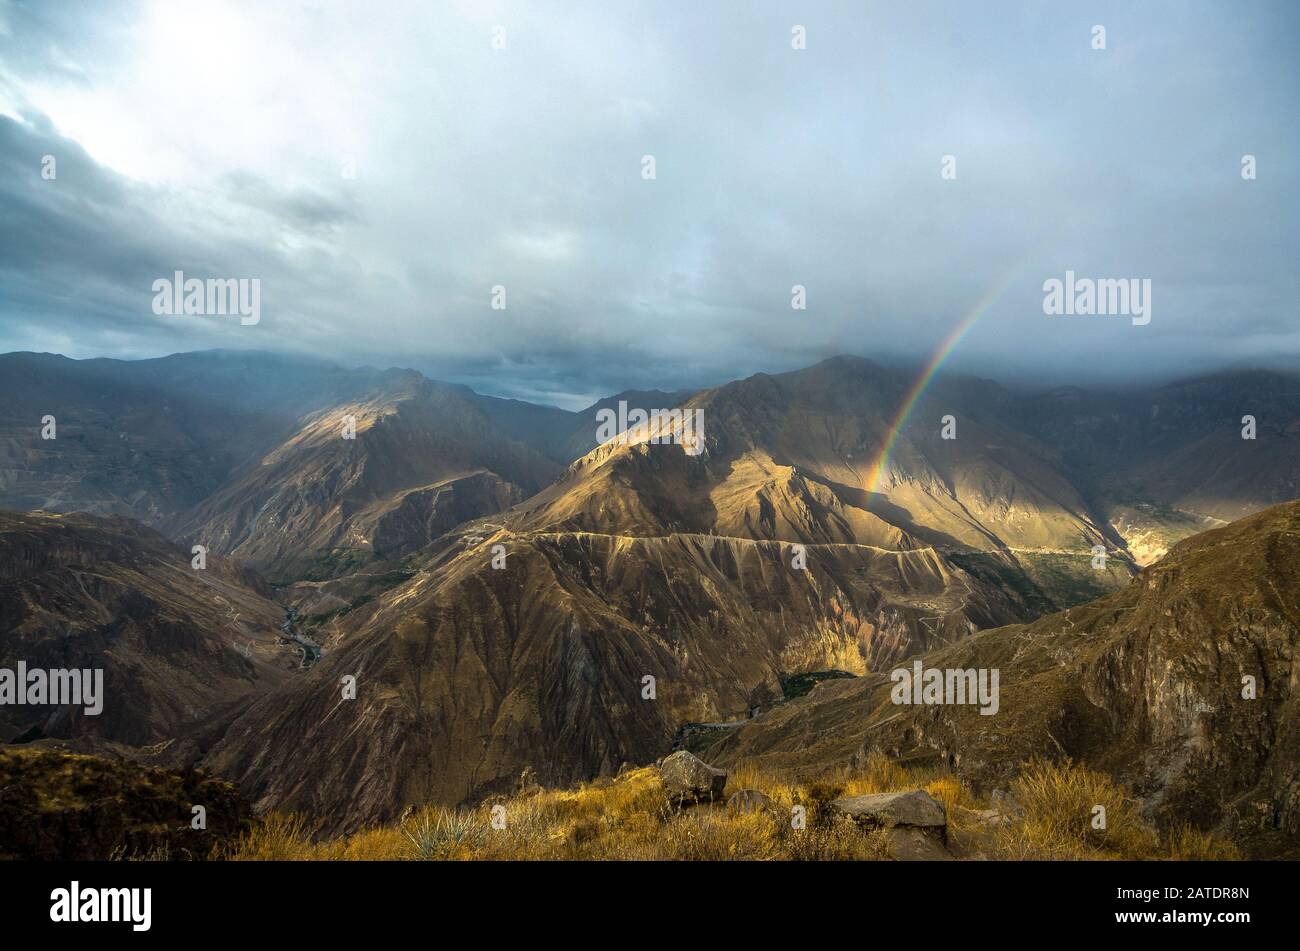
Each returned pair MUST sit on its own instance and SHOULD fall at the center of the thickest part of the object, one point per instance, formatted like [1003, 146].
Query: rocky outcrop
[885, 810]
[687, 779]
[915, 823]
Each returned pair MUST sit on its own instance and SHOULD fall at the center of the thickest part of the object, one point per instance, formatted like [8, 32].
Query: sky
[381, 168]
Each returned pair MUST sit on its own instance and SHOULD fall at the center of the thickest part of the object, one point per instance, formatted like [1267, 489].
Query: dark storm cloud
[79, 252]
[301, 208]
[216, 140]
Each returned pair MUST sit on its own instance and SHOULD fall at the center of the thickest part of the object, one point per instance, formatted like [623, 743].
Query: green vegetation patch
[798, 685]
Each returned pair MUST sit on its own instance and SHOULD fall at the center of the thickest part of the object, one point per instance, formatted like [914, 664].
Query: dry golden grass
[628, 818]
[1060, 821]
[1189, 844]
[277, 838]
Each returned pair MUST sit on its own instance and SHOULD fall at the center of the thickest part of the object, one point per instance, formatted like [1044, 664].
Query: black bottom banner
[144, 900]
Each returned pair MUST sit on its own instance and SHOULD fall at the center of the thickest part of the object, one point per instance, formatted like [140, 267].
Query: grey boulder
[916, 807]
[687, 778]
[915, 823]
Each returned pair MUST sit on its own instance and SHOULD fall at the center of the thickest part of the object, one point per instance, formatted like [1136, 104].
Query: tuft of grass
[442, 834]
[878, 773]
[711, 835]
[952, 792]
[1186, 843]
[1061, 819]
[628, 817]
[836, 838]
[277, 838]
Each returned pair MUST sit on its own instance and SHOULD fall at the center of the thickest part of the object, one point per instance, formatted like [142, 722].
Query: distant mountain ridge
[205, 445]
[177, 442]
[501, 609]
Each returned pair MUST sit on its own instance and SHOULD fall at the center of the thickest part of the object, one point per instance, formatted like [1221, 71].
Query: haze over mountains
[618, 562]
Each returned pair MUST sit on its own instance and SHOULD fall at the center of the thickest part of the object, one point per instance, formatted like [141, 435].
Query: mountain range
[510, 592]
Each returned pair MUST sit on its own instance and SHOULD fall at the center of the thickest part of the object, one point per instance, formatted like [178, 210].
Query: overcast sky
[214, 138]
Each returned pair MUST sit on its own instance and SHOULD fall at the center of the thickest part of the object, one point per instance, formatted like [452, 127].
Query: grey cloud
[300, 207]
[775, 167]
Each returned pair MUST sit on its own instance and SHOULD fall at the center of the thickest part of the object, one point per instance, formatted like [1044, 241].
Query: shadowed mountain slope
[178, 646]
[424, 458]
[1146, 684]
[147, 438]
[1163, 463]
[243, 452]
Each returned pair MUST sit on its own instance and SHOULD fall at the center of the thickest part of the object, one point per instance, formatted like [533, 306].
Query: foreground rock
[915, 823]
[915, 807]
[688, 779]
[912, 844]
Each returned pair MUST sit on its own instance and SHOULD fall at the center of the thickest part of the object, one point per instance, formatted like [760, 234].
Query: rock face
[1183, 687]
[915, 807]
[418, 516]
[688, 779]
[912, 844]
[915, 823]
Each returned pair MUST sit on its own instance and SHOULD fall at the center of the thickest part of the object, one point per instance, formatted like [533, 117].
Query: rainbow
[881, 464]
